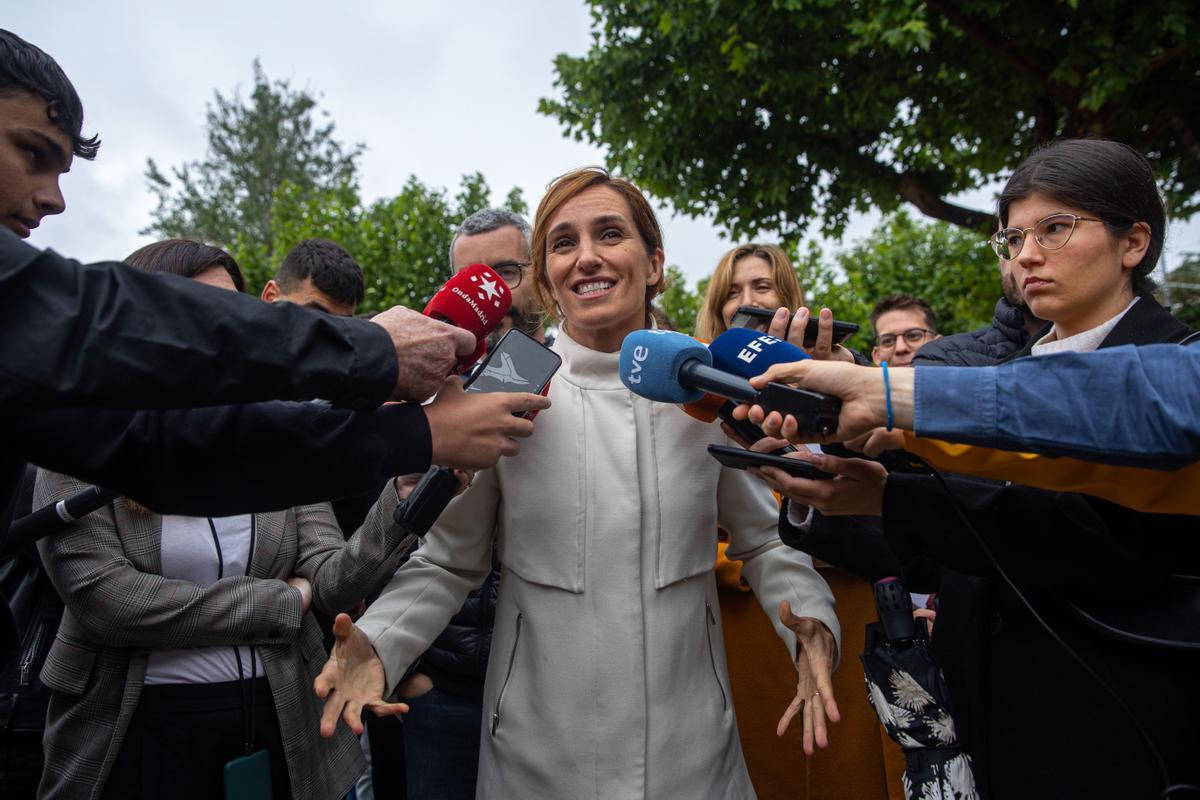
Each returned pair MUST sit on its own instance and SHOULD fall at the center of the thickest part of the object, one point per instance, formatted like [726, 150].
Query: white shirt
[190, 554]
[1085, 342]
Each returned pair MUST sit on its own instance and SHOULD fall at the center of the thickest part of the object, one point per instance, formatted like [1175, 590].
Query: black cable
[247, 708]
[1137, 724]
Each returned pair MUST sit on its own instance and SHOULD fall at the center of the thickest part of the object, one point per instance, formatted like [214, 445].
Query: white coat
[607, 675]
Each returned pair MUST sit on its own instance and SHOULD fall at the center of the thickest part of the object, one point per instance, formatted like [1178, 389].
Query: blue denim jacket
[1133, 406]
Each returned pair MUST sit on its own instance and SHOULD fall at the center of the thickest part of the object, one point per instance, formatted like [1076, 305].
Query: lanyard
[247, 707]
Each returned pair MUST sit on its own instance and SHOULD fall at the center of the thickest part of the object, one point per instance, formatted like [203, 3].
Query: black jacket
[979, 348]
[115, 337]
[1034, 720]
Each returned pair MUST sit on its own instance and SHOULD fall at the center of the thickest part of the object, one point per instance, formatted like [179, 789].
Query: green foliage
[256, 146]
[769, 113]
[1185, 290]
[273, 177]
[948, 267]
[402, 242]
[680, 303]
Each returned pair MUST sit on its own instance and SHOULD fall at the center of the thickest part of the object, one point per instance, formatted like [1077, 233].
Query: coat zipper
[512, 658]
[712, 659]
[31, 653]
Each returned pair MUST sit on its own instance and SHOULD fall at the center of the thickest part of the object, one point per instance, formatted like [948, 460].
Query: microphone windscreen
[747, 353]
[474, 299]
[705, 409]
[650, 363]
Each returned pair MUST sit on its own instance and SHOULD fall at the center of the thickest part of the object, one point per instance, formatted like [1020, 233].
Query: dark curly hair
[26, 68]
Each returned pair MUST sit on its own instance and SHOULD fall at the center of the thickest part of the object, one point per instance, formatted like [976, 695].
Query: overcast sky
[433, 90]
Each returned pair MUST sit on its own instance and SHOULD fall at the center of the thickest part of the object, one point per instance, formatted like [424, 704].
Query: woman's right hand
[301, 583]
[352, 679]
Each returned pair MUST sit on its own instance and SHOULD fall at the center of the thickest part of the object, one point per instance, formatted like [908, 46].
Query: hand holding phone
[518, 363]
[760, 319]
[738, 458]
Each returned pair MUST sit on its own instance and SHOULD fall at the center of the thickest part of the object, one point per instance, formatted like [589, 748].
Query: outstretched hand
[352, 679]
[814, 685]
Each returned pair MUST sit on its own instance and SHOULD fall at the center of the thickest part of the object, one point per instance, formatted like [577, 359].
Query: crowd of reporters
[256, 466]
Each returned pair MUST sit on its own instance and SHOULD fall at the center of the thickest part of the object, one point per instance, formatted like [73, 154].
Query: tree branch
[981, 34]
[929, 203]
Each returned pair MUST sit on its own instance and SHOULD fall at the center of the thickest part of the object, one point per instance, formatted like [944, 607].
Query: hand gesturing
[352, 679]
[814, 688]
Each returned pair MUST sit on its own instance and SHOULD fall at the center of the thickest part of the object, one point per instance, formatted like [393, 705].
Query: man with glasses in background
[444, 689]
[901, 323]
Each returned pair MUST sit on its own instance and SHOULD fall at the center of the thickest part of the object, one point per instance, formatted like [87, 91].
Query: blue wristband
[887, 393]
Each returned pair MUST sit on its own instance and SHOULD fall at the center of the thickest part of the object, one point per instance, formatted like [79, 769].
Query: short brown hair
[709, 322]
[898, 302]
[185, 257]
[565, 188]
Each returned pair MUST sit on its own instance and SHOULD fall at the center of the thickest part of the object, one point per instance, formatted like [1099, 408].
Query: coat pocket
[710, 622]
[69, 667]
[508, 673]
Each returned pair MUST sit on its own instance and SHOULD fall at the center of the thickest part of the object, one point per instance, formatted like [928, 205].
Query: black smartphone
[759, 319]
[518, 363]
[738, 458]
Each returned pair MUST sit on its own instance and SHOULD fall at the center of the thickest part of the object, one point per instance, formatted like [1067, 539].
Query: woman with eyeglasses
[1081, 225]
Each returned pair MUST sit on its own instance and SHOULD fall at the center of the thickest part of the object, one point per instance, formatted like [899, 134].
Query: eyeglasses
[510, 272]
[1050, 232]
[913, 336]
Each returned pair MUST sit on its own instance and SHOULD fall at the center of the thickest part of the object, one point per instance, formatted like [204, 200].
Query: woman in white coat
[607, 674]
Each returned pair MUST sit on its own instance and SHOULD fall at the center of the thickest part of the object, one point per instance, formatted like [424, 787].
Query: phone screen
[518, 363]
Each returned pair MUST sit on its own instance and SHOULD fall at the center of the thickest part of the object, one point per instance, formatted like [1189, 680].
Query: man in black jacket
[1012, 325]
[107, 336]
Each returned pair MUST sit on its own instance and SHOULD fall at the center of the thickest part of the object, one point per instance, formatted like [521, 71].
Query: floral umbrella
[907, 690]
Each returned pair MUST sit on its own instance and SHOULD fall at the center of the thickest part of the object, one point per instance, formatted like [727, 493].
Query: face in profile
[751, 284]
[598, 268]
[34, 152]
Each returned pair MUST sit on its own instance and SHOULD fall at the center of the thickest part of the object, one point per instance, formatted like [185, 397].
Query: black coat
[110, 336]
[979, 348]
[1035, 723]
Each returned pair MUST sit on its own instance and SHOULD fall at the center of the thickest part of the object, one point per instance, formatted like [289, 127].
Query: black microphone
[53, 518]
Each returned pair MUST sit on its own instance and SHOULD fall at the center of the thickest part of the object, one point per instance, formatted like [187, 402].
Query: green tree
[680, 303]
[401, 242]
[1184, 287]
[948, 267]
[271, 145]
[769, 113]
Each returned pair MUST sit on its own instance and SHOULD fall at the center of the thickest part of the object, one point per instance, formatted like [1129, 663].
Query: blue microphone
[673, 368]
[746, 352]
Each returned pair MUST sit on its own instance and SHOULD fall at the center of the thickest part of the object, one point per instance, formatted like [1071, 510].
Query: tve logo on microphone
[640, 354]
[753, 349]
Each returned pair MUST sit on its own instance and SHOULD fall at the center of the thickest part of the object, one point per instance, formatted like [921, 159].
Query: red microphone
[474, 299]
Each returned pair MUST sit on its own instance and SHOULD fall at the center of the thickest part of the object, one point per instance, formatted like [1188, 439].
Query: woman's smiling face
[598, 268]
[752, 284]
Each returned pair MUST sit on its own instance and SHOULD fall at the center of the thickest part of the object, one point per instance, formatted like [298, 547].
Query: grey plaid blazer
[118, 608]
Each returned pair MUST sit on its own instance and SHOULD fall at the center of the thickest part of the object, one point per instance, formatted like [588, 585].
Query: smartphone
[518, 363]
[759, 319]
[738, 458]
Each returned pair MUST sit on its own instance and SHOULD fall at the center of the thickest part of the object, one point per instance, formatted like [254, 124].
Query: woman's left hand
[814, 685]
[857, 487]
[824, 349]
